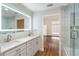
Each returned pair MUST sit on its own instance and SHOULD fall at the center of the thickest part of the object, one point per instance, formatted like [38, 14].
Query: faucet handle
[9, 37]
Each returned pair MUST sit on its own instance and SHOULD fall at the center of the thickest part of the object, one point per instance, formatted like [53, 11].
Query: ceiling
[35, 7]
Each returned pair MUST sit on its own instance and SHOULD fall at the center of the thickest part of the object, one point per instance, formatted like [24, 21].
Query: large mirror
[13, 19]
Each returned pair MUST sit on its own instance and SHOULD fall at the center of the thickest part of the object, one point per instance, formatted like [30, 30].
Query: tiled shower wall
[66, 42]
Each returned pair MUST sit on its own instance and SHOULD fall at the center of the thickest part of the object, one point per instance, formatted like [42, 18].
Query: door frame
[59, 17]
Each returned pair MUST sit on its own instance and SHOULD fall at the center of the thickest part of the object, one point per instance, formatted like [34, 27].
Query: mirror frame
[19, 13]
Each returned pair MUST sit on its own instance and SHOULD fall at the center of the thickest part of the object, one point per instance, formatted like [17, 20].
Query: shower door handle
[74, 34]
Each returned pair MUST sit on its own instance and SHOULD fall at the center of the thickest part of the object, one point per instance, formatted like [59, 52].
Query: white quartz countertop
[9, 45]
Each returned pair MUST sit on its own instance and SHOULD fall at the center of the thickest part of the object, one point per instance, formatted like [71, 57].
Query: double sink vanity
[26, 46]
[13, 19]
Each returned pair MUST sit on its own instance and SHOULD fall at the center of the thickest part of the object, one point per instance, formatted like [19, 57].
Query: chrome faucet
[9, 38]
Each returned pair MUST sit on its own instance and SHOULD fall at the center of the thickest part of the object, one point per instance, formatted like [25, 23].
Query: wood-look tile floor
[51, 47]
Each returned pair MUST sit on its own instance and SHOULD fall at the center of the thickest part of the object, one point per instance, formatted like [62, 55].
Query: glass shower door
[74, 42]
[76, 23]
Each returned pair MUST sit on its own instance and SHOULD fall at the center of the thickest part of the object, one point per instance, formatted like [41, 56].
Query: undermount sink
[13, 41]
[8, 43]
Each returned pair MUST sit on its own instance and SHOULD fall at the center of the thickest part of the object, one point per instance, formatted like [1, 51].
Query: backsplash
[16, 35]
[3, 37]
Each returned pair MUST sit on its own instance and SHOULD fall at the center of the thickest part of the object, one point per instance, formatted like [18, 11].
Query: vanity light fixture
[15, 10]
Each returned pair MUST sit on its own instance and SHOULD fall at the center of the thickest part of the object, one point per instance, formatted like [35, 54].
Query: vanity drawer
[23, 52]
[12, 52]
[21, 47]
[16, 51]
[29, 43]
[29, 51]
[29, 46]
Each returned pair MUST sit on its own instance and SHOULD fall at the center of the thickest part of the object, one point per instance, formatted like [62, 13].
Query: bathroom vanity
[22, 44]
[27, 46]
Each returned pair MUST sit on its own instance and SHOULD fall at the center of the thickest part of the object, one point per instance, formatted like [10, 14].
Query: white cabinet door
[22, 52]
[11, 53]
[29, 51]
[18, 51]
[39, 43]
[30, 48]
[35, 44]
